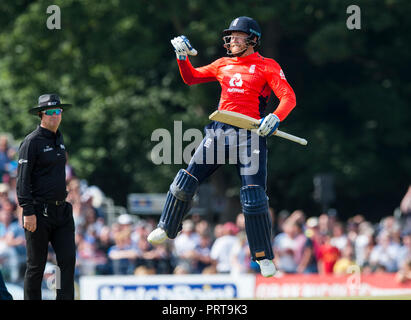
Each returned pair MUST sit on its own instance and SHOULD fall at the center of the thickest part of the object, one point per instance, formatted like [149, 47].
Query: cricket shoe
[267, 267]
[157, 236]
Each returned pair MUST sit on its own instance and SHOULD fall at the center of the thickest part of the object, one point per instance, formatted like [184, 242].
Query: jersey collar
[243, 59]
[47, 133]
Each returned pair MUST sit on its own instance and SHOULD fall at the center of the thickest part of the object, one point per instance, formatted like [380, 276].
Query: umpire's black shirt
[41, 170]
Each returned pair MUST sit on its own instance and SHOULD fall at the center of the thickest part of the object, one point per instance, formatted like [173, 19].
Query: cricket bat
[245, 122]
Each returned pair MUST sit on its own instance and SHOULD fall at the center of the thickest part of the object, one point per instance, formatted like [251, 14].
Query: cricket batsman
[246, 80]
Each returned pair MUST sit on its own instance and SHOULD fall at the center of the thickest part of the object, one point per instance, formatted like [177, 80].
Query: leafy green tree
[113, 60]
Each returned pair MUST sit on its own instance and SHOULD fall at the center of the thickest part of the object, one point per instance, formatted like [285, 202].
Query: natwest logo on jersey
[235, 82]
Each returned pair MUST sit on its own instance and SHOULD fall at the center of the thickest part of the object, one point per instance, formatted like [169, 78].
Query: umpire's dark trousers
[55, 224]
[4, 294]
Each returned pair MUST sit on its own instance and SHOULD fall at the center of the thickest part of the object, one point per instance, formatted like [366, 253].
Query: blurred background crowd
[302, 244]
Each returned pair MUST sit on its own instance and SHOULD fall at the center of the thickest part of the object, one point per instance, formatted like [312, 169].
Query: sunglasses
[50, 112]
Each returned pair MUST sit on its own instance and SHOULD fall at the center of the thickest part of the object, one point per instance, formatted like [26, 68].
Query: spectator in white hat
[185, 245]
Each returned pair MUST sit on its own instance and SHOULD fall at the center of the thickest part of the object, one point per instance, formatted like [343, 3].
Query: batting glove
[182, 47]
[268, 125]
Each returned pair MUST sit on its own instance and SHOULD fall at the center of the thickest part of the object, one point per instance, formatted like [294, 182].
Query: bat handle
[291, 137]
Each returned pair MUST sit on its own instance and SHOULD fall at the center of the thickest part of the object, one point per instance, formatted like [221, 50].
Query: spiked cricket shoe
[157, 236]
[267, 267]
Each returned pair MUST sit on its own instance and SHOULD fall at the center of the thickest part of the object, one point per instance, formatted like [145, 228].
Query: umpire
[41, 192]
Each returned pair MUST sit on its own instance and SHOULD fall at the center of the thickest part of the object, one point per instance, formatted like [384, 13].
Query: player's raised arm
[277, 81]
[282, 89]
[191, 75]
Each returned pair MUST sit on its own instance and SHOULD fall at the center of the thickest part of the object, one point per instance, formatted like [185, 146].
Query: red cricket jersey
[246, 83]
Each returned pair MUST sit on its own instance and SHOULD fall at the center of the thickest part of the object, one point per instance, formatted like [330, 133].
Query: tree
[114, 62]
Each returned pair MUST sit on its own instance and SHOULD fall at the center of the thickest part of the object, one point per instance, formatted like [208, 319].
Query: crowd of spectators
[318, 244]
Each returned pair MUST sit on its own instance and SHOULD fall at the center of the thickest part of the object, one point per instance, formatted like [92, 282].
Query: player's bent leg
[178, 203]
[254, 202]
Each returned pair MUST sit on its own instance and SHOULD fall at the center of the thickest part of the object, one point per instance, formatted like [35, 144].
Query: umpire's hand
[30, 223]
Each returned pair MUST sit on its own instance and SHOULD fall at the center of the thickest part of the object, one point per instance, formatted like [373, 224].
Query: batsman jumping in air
[246, 80]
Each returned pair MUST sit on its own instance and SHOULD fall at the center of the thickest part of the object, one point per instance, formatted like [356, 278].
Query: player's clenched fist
[182, 47]
[268, 125]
